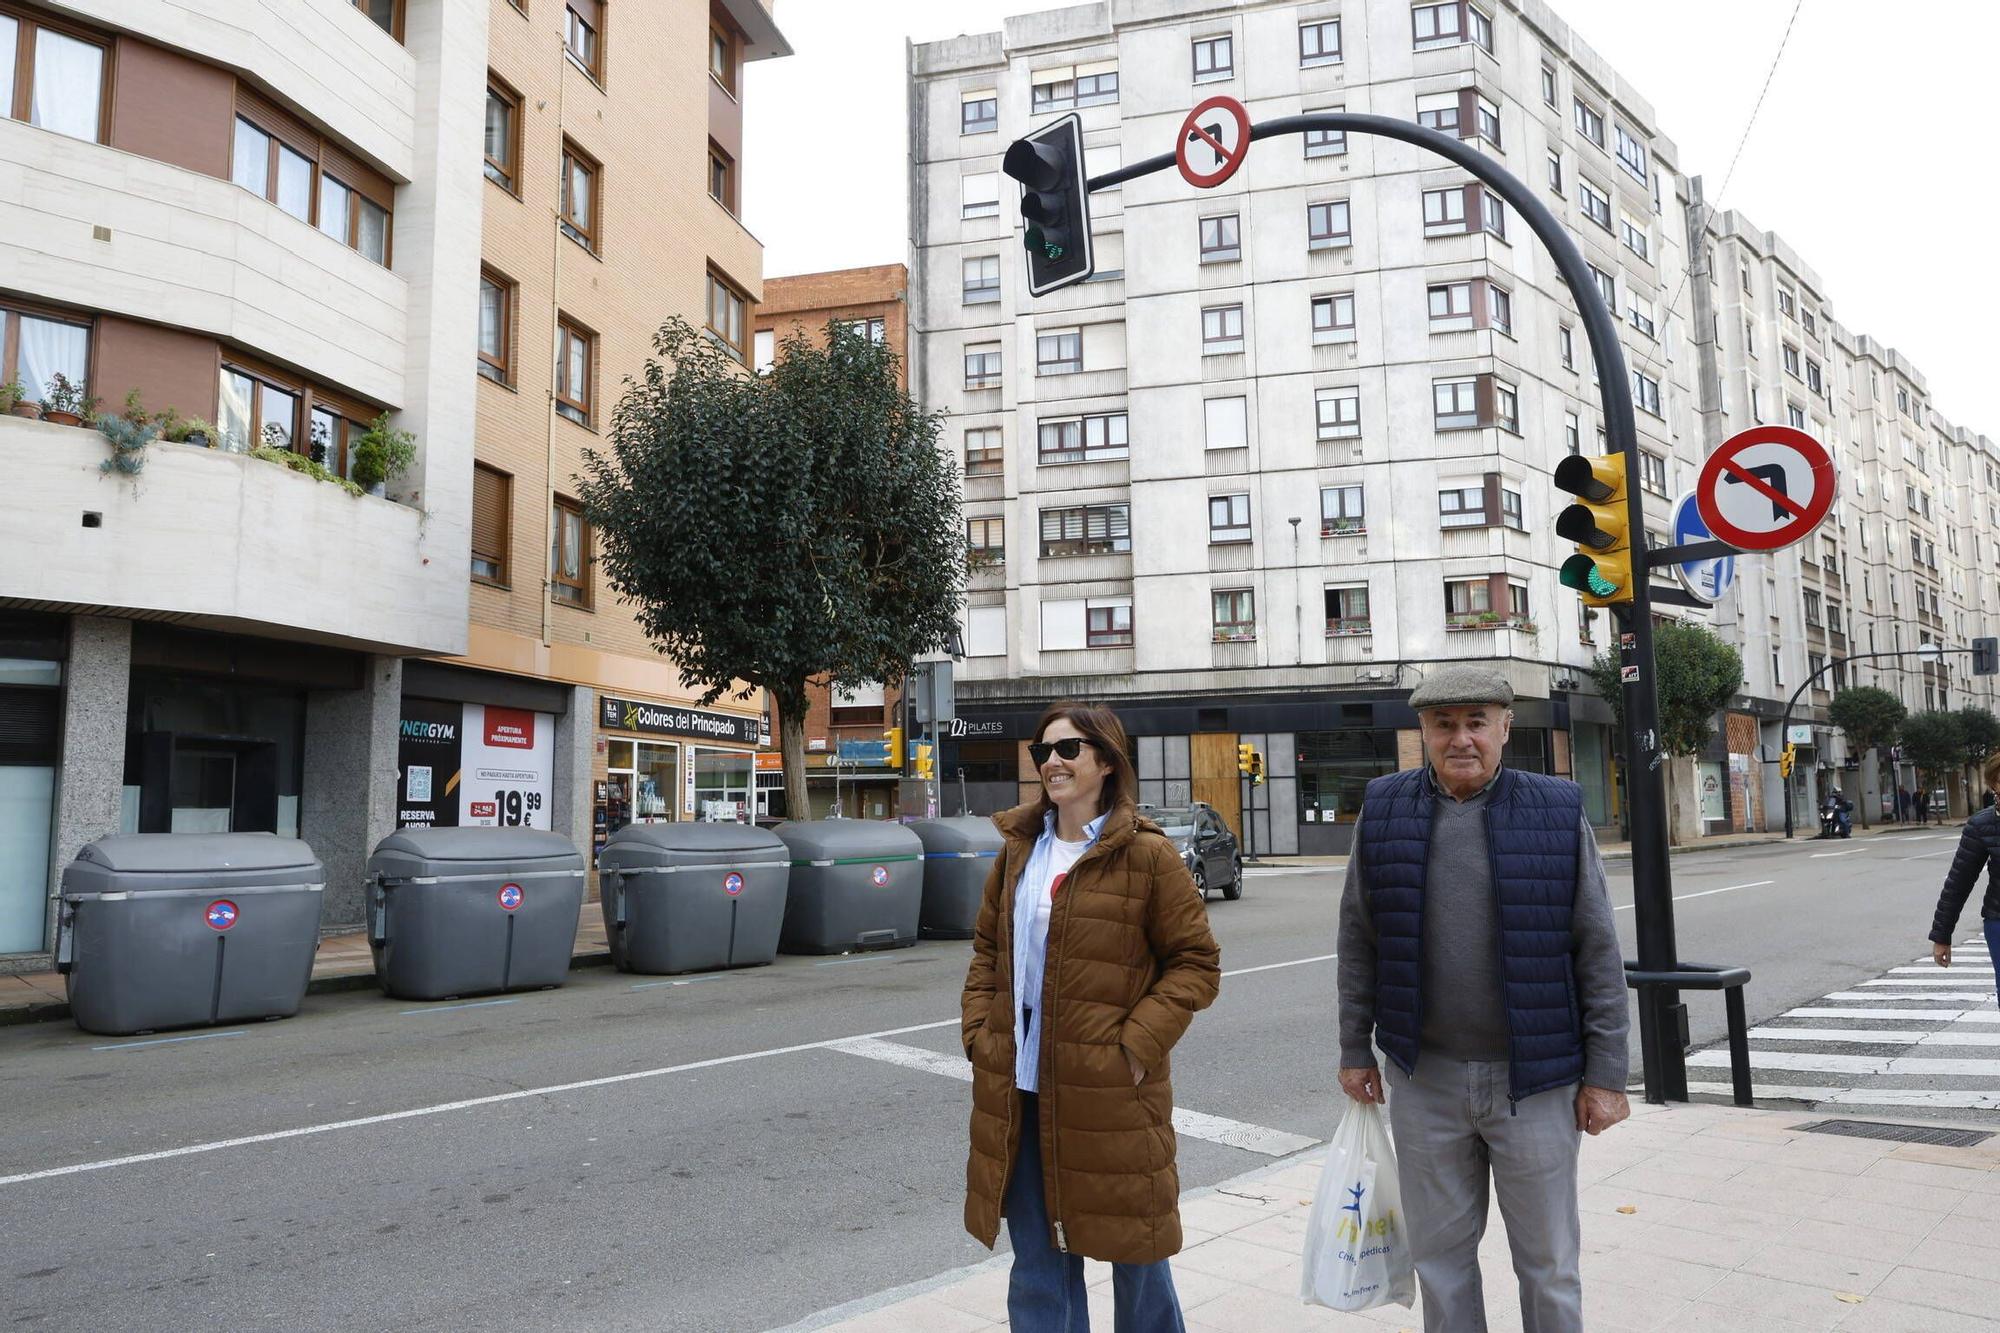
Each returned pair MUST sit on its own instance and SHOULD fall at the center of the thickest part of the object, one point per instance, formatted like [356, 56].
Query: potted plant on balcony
[382, 454]
[187, 430]
[64, 403]
[128, 436]
[14, 399]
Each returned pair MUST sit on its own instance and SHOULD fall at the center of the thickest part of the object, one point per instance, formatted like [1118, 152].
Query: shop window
[1334, 769]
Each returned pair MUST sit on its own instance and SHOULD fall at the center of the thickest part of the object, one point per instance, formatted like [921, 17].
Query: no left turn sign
[1214, 140]
[1765, 488]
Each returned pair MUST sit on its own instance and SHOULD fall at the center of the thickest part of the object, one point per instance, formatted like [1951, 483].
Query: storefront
[31, 679]
[665, 762]
[477, 749]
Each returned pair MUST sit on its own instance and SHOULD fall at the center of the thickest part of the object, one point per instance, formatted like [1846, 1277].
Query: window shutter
[590, 11]
[489, 515]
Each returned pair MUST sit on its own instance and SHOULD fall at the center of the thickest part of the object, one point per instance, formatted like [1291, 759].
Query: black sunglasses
[1069, 747]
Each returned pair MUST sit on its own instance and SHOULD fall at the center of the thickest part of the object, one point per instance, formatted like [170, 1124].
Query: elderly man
[1477, 948]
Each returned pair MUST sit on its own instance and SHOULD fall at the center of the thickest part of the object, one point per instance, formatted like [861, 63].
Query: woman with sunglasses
[1090, 956]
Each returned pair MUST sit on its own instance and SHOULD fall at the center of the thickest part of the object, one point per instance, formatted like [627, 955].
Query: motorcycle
[1836, 818]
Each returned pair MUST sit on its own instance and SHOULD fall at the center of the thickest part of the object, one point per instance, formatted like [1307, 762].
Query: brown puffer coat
[1130, 959]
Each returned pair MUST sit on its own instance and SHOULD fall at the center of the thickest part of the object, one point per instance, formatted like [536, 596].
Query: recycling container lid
[478, 843]
[823, 839]
[696, 837]
[182, 853]
[967, 833]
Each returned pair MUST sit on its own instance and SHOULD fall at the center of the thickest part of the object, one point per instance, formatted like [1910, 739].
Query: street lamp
[1298, 601]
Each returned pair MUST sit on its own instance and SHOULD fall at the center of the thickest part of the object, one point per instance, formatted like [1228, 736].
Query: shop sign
[770, 762]
[965, 728]
[473, 765]
[676, 720]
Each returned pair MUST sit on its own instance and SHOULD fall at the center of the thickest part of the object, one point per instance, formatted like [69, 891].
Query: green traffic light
[1599, 585]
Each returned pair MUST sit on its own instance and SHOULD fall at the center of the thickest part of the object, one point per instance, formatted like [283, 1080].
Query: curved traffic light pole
[1659, 1008]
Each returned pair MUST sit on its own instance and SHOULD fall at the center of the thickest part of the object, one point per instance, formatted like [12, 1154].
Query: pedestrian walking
[1090, 956]
[1478, 949]
[1978, 852]
[1902, 805]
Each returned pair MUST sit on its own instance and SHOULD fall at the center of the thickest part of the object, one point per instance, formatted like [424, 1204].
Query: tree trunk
[792, 745]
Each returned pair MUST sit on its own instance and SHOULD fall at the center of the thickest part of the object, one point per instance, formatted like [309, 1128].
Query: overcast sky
[1896, 218]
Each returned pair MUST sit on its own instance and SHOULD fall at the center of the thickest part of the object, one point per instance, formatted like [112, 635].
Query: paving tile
[1692, 1161]
[1946, 1291]
[1696, 1246]
[1770, 1299]
[1979, 1204]
[922, 1314]
[1722, 1220]
[1651, 1272]
[1929, 1173]
[1758, 1149]
[1285, 1231]
[1771, 1201]
[1876, 1315]
[1946, 1256]
[1615, 1305]
[1218, 1216]
[1906, 1221]
[1961, 1229]
[1876, 1189]
[1709, 1318]
[1848, 1240]
[1798, 1179]
[1663, 1181]
[1251, 1310]
[1198, 1289]
[1816, 1268]
[982, 1294]
[1238, 1260]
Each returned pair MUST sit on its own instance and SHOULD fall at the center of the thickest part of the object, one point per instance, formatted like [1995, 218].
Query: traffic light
[926, 755]
[1602, 568]
[1055, 204]
[1256, 769]
[1246, 756]
[1986, 657]
[893, 737]
[1787, 759]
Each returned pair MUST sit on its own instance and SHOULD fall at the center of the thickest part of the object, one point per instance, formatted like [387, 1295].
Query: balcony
[1456, 621]
[1343, 527]
[1349, 627]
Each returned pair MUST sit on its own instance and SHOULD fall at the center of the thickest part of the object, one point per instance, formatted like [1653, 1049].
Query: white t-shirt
[1034, 896]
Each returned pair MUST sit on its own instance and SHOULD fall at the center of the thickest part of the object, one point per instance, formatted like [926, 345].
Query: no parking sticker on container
[510, 896]
[221, 914]
[732, 883]
[880, 875]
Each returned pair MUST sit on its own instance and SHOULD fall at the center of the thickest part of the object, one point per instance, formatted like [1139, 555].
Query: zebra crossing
[1917, 1037]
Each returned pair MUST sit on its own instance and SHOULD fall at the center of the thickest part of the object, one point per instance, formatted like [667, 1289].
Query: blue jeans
[1993, 947]
[1045, 1291]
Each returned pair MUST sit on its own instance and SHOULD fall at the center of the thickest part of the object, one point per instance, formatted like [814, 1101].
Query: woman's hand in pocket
[1132, 1063]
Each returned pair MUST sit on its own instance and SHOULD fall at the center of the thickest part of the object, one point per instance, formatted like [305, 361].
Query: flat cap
[1461, 687]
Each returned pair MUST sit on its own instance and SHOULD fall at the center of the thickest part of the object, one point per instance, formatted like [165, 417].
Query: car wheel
[1234, 888]
[1201, 880]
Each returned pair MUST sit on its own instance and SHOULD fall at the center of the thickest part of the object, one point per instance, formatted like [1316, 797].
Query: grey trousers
[1453, 1130]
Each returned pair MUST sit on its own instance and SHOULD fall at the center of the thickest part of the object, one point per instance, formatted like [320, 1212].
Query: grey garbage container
[689, 897]
[856, 884]
[175, 930]
[958, 856]
[471, 911]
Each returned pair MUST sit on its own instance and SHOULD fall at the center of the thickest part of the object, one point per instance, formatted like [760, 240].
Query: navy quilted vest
[1532, 826]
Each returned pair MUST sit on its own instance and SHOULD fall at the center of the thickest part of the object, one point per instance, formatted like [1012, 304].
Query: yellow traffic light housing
[926, 755]
[1787, 759]
[1256, 769]
[1602, 568]
[893, 738]
[1246, 755]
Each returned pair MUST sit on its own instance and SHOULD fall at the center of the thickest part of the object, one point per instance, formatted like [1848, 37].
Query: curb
[53, 1010]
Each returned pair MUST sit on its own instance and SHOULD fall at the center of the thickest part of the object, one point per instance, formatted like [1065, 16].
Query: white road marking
[1925, 856]
[1947, 1015]
[447, 1008]
[910, 1057]
[1877, 1036]
[1933, 968]
[1272, 967]
[1683, 897]
[1940, 1098]
[1852, 851]
[167, 1041]
[1876, 997]
[1830, 1063]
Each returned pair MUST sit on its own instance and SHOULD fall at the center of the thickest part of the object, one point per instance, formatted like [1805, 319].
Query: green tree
[1696, 673]
[1870, 717]
[775, 529]
[1934, 741]
[1982, 734]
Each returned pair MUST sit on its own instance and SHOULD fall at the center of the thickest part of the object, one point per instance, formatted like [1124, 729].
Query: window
[284, 173]
[1639, 314]
[1549, 84]
[1228, 519]
[1226, 423]
[1087, 530]
[1059, 352]
[1812, 608]
[1596, 203]
[1607, 287]
[51, 79]
[1221, 330]
[1085, 439]
[492, 510]
[257, 411]
[1462, 507]
[1646, 393]
[1635, 236]
[982, 279]
[1556, 172]
[1631, 155]
[1338, 413]
[1214, 59]
[1444, 211]
[503, 134]
[575, 374]
[1788, 304]
[1566, 346]
[1450, 306]
[1455, 403]
[1492, 213]
[1510, 510]
[985, 542]
[1064, 89]
[1749, 339]
[1468, 600]
[1233, 614]
[726, 308]
[873, 329]
[982, 365]
[1572, 433]
[1346, 611]
[721, 60]
[1333, 318]
[984, 452]
[1437, 25]
[1326, 143]
[1506, 406]
[569, 555]
[1653, 472]
[980, 195]
[1788, 356]
[1340, 512]
[721, 177]
[1220, 239]
[582, 25]
[1108, 624]
[496, 327]
[579, 197]
[1439, 111]
[1327, 225]
[979, 113]
[1812, 326]
[1486, 120]
[1814, 381]
[1590, 122]
[34, 349]
[1480, 28]
[384, 14]
[1499, 310]
[1319, 42]
[1795, 416]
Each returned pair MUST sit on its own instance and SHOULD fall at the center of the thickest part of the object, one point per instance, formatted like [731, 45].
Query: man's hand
[1132, 1063]
[1598, 1109]
[1363, 1084]
[1941, 954]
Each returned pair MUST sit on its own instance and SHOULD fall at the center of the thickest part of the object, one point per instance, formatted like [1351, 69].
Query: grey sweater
[1464, 1015]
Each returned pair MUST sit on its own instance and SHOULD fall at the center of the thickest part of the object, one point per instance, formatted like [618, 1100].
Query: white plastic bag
[1357, 1252]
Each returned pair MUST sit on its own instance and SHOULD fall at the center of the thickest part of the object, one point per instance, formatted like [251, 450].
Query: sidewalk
[1694, 1217]
[343, 962]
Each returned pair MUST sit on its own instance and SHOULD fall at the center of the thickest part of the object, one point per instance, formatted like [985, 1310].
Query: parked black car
[1211, 851]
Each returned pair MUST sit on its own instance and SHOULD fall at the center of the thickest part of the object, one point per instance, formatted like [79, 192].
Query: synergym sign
[671, 720]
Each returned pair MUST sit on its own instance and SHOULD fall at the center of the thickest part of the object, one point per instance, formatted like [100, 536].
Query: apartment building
[609, 202]
[846, 765]
[1292, 444]
[254, 215]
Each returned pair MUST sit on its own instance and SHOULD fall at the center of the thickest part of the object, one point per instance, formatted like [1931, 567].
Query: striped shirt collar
[1438, 788]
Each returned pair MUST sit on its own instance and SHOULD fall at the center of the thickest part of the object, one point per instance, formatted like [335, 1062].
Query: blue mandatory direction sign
[1706, 579]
